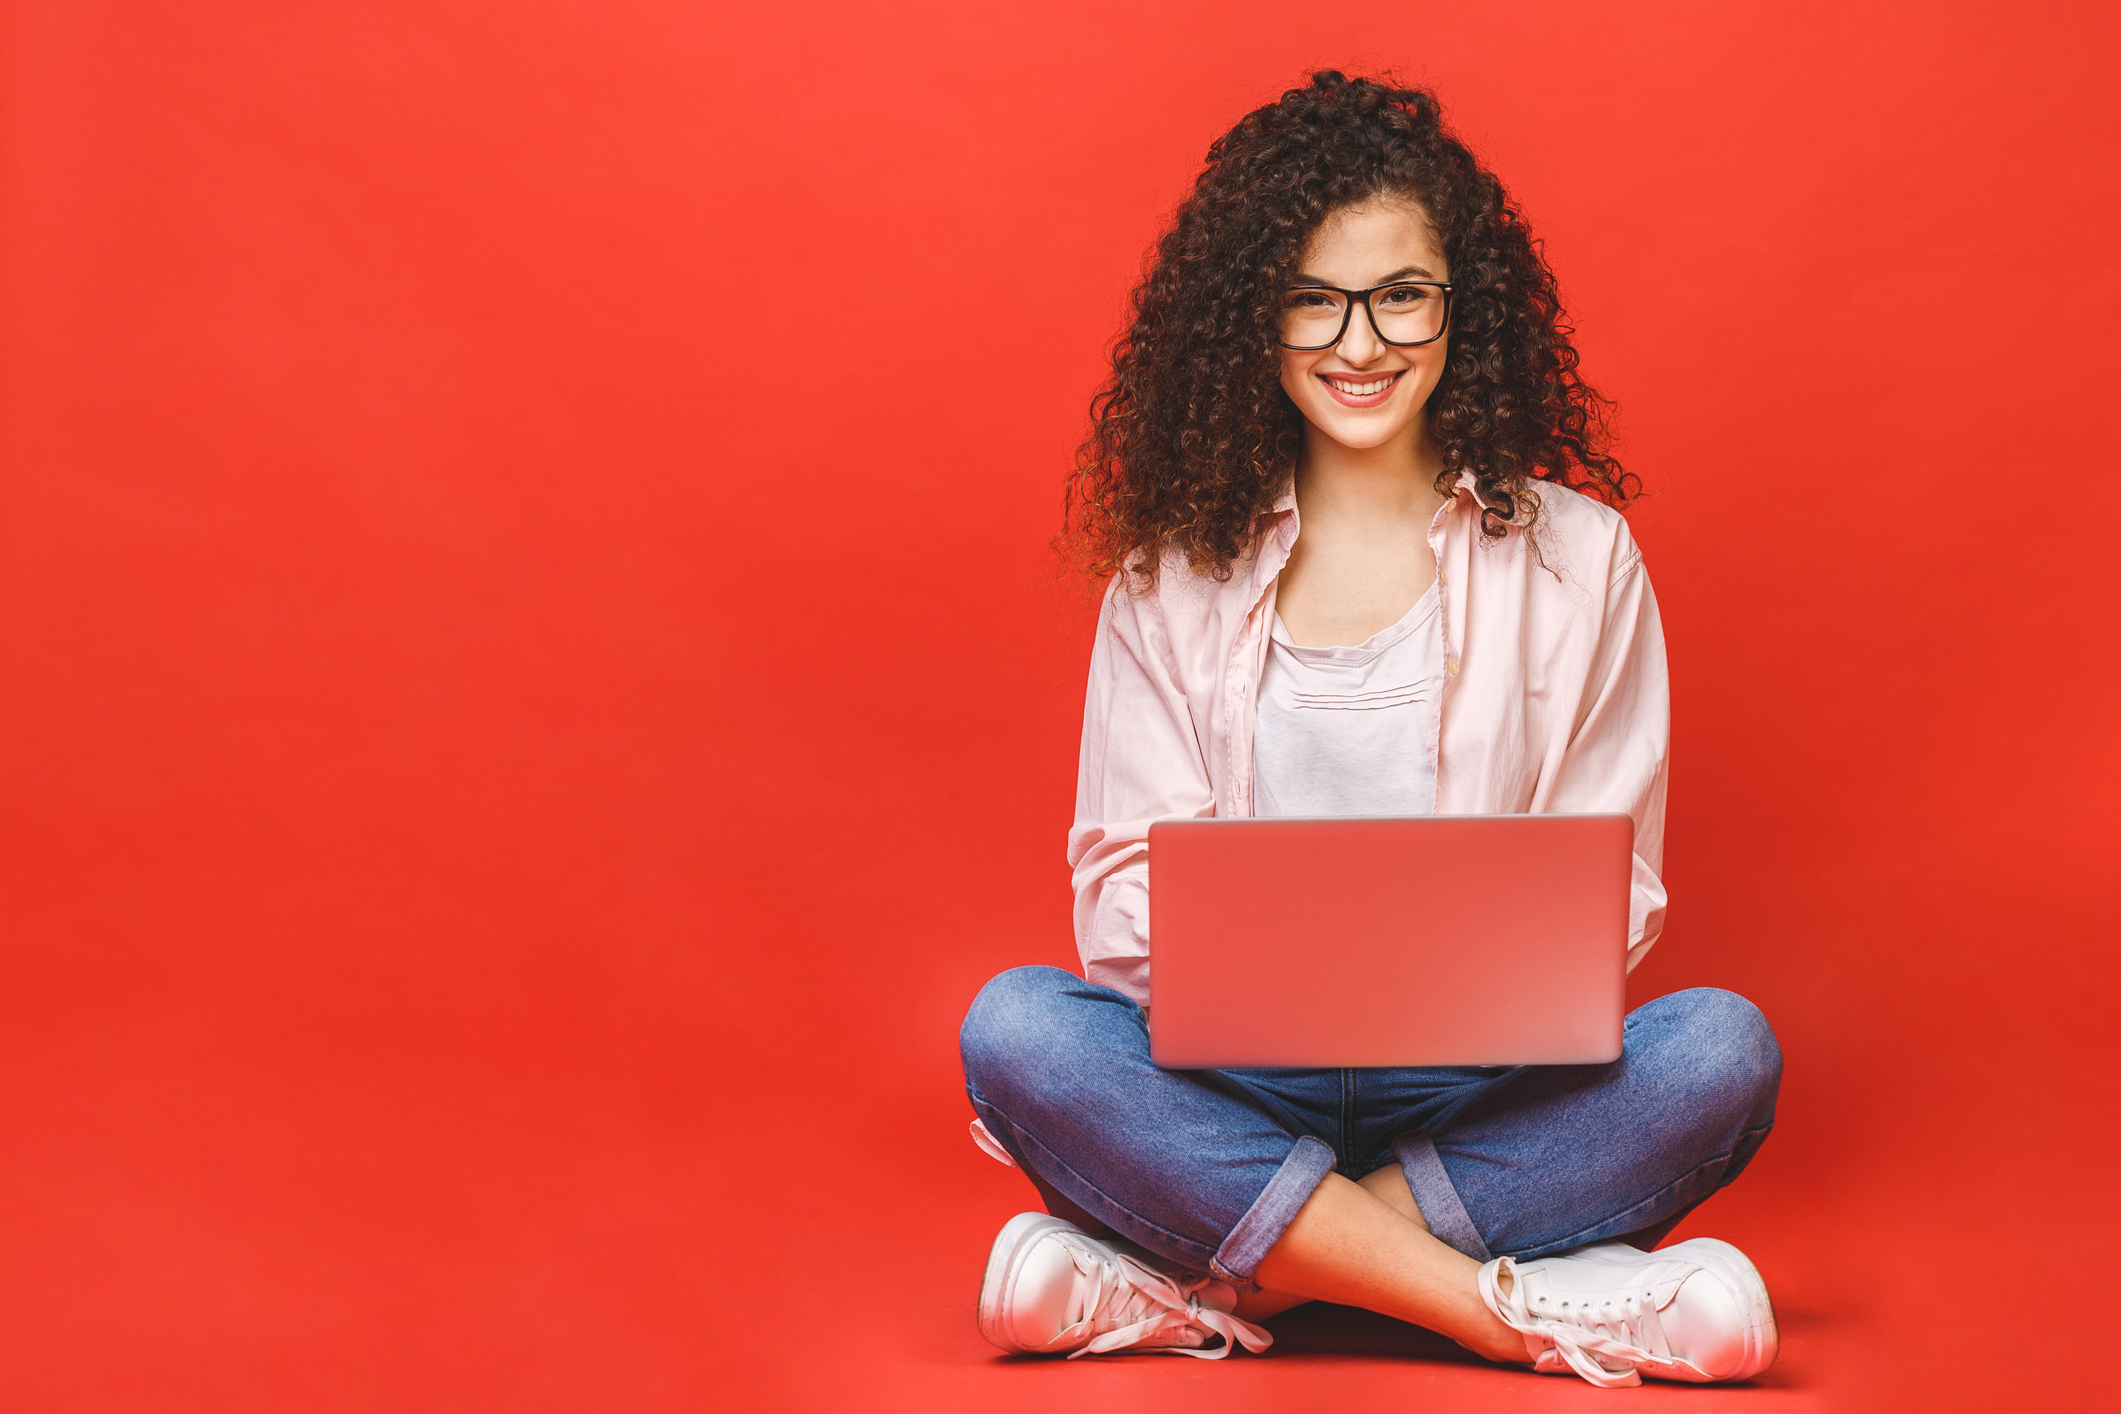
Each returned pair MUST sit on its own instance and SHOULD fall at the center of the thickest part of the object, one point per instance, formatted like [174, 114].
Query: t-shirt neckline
[1349, 653]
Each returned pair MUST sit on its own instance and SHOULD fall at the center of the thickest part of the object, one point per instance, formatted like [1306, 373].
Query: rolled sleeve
[1141, 762]
[1616, 756]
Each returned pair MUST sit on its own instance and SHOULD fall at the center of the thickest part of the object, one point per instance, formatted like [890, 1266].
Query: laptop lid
[1424, 940]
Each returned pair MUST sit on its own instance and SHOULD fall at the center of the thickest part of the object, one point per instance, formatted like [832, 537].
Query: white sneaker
[1051, 1287]
[1694, 1311]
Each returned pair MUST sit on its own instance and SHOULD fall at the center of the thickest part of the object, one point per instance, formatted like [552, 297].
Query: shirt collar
[1274, 553]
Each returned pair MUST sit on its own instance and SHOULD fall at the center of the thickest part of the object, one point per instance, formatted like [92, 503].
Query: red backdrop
[534, 693]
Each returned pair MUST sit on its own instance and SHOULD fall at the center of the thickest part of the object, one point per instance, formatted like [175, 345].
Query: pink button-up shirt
[1554, 699]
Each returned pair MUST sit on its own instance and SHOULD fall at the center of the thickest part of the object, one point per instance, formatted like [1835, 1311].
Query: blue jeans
[1209, 1167]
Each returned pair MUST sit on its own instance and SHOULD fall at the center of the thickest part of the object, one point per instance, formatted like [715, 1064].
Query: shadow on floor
[1317, 1328]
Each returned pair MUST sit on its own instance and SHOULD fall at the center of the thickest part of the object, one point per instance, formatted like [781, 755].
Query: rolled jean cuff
[1434, 1194]
[1272, 1212]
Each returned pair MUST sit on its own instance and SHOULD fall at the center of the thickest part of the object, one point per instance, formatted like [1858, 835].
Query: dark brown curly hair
[1193, 437]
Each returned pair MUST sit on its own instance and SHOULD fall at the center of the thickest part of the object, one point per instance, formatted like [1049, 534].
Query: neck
[1393, 481]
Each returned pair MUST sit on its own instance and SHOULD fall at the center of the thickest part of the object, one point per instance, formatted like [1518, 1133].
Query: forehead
[1371, 240]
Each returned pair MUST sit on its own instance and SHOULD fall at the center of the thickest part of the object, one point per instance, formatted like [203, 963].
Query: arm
[1142, 761]
[1616, 754]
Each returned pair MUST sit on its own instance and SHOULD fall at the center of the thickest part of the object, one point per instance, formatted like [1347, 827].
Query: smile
[1365, 390]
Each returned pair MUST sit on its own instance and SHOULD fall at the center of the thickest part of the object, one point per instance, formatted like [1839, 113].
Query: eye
[1405, 296]
[1312, 299]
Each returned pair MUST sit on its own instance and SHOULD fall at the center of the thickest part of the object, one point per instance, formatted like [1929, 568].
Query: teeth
[1360, 390]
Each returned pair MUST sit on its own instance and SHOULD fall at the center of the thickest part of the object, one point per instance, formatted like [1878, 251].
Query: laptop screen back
[1428, 940]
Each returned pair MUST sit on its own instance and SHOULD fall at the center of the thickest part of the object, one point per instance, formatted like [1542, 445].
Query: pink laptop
[1427, 940]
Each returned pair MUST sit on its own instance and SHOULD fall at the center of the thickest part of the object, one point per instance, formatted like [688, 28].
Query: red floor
[413, 1211]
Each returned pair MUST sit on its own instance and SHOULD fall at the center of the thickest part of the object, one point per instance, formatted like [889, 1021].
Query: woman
[1365, 561]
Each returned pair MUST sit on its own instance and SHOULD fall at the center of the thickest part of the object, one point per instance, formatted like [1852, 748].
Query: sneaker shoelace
[1623, 1328]
[1138, 1303]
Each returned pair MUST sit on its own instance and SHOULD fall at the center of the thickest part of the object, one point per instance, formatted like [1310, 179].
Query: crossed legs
[1365, 1244]
[1225, 1173]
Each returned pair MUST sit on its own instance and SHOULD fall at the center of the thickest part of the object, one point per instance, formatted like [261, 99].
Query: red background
[534, 692]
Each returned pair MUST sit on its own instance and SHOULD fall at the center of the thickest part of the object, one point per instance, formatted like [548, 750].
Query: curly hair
[1193, 437]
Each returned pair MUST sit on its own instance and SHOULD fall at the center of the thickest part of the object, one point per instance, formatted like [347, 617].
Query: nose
[1361, 344]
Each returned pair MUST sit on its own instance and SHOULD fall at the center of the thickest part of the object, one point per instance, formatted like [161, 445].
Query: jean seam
[1348, 1101]
[1442, 1209]
[1256, 1244]
[1027, 1136]
[1569, 1239]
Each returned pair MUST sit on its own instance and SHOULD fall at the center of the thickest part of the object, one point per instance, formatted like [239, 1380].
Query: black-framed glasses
[1405, 314]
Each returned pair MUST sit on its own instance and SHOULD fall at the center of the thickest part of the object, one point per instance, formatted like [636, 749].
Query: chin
[1360, 436]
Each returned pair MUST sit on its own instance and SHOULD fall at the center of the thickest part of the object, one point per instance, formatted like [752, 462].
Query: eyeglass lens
[1404, 314]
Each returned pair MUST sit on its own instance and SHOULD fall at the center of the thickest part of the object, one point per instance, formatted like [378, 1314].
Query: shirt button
[1451, 665]
[1442, 578]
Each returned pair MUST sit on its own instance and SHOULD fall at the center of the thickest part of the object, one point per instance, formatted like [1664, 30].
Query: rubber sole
[1017, 1237]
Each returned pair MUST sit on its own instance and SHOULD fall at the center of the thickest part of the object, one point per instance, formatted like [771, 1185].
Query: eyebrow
[1402, 273]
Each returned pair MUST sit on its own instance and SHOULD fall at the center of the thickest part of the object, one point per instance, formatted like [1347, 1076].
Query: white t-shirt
[1351, 731]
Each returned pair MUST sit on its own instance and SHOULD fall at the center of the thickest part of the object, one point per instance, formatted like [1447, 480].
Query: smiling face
[1364, 393]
